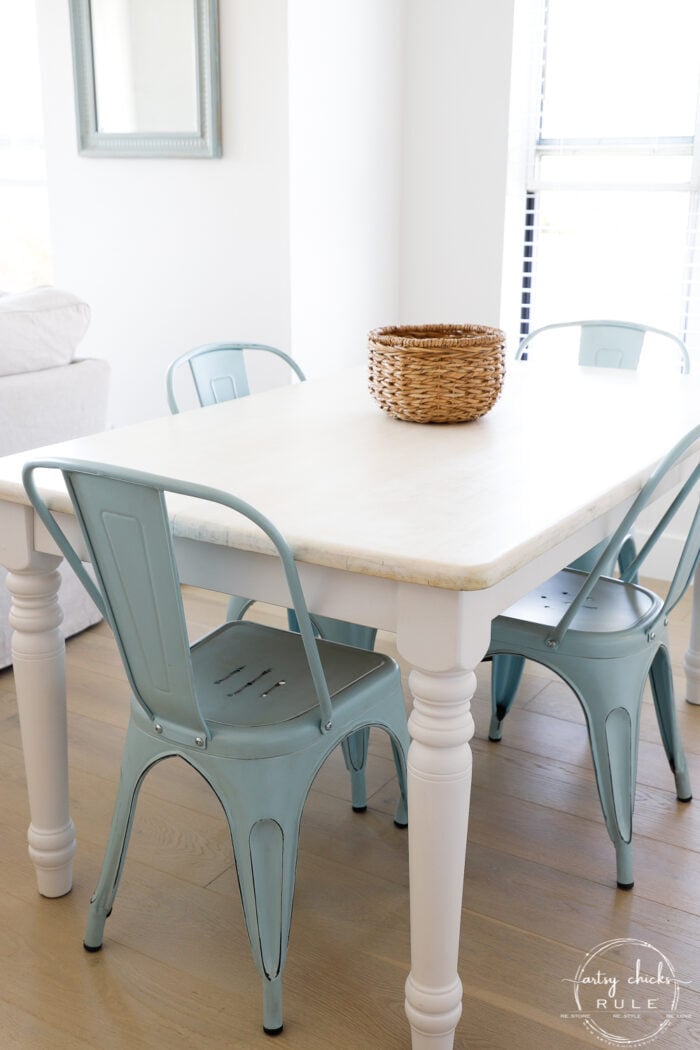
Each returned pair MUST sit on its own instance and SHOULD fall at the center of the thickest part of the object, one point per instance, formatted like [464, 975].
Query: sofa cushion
[40, 328]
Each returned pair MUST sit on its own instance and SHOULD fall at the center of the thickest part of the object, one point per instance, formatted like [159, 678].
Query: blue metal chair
[604, 636]
[608, 344]
[218, 373]
[254, 709]
[601, 344]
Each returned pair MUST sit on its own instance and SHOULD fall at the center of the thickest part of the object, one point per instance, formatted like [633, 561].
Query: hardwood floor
[175, 972]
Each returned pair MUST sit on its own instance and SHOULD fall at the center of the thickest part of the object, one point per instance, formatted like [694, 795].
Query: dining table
[428, 531]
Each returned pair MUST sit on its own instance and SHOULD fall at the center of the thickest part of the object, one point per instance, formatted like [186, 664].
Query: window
[613, 172]
[24, 221]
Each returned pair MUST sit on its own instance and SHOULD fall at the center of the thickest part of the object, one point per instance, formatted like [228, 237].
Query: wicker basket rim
[436, 336]
[429, 352]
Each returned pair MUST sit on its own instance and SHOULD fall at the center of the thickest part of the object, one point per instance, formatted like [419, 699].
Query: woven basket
[437, 373]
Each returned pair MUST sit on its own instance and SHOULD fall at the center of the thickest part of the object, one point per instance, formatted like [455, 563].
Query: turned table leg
[38, 655]
[443, 635]
[439, 784]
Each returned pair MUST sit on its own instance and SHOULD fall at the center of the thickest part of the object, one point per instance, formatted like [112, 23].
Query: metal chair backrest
[219, 371]
[609, 344]
[690, 553]
[124, 520]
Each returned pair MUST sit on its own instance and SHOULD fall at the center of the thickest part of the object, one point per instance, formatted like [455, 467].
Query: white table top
[457, 507]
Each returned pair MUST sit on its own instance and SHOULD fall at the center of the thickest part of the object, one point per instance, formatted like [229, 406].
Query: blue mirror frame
[205, 141]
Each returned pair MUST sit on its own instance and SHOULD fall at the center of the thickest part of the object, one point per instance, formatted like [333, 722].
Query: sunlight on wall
[25, 256]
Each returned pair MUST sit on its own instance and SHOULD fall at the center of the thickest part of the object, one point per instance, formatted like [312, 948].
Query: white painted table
[428, 531]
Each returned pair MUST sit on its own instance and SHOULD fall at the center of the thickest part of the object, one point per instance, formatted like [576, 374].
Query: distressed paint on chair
[255, 710]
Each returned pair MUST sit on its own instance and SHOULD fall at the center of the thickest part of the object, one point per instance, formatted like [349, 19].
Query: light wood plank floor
[539, 889]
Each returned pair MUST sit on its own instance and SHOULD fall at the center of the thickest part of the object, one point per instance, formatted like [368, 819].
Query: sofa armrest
[55, 404]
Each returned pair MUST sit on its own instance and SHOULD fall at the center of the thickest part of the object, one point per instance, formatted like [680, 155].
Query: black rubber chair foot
[359, 809]
[494, 739]
[91, 947]
[688, 799]
[625, 885]
[273, 1031]
[397, 825]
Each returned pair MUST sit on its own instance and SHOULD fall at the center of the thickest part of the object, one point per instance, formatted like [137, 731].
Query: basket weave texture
[437, 373]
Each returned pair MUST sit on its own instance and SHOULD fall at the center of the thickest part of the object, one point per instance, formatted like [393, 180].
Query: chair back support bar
[219, 372]
[609, 344]
[691, 548]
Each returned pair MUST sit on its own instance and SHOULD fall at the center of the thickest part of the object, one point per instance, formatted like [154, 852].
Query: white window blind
[613, 173]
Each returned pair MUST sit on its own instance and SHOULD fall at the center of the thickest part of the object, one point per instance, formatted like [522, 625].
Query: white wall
[173, 253]
[398, 147]
[362, 183]
[345, 138]
[456, 85]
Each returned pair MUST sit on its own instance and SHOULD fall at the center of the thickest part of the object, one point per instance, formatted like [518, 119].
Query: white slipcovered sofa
[47, 394]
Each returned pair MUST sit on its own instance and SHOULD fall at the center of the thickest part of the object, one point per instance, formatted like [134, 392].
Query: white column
[344, 143]
[456, 94]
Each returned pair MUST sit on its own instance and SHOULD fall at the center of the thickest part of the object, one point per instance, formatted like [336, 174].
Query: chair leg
[354, 747]
[661, 679]
[587, 561]
[613, 730]
[266, 854]
[506, 672]
[355, 750]
[135, 765]
[346, 633]
[628, 552]
[624, 861]
[268, 843]
[265, 844]
[237, 607]
[400, 751]
[614, 747]
[272, 1006]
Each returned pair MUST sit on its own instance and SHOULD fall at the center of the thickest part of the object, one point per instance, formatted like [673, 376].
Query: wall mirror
[146, 77]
